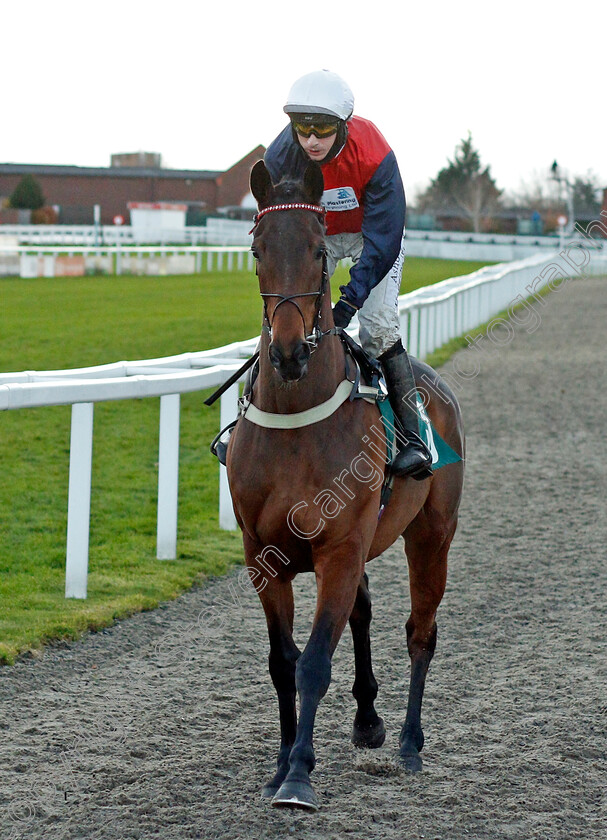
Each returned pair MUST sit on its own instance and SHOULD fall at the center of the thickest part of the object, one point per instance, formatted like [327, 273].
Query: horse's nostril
[275, 355]
[293, 367]
[301, 354]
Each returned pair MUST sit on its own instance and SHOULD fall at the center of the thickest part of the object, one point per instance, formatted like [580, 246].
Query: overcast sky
[203, 83]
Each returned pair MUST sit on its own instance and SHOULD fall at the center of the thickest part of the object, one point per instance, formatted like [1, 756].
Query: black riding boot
[414, 457]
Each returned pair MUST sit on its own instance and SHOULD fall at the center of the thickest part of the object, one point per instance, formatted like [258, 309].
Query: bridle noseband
[316, 334]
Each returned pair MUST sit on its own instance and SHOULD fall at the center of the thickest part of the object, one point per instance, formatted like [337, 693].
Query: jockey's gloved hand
[343, 312]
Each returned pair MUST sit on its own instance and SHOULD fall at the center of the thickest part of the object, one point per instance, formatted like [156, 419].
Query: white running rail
[430, 317]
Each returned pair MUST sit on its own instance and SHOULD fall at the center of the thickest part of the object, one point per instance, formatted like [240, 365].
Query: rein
[314, 337]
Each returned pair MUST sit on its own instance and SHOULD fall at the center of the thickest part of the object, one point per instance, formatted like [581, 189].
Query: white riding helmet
[321, 92]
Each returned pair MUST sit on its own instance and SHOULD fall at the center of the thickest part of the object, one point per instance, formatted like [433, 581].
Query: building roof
[105, 171]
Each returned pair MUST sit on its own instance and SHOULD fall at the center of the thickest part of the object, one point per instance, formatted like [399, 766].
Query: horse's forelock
[288, 191]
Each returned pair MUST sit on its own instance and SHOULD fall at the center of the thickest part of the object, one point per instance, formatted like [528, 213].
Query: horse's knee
[420, 641]
[313, 674]
[281, 666]
[362, 611]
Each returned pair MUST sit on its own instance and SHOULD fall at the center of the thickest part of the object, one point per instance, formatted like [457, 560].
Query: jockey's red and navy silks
[363, 193]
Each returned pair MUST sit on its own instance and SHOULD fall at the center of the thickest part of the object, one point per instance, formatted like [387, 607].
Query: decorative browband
[315, 208]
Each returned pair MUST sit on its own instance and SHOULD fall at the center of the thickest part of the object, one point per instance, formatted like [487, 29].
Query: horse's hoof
[411, 761]
[269, 790]
[370, 737]
[296, 795]
[272, 786]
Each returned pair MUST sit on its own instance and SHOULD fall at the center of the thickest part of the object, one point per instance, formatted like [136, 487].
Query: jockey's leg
[413, 458]
[380, 337]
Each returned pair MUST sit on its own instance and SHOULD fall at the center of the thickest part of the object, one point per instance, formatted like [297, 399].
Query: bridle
[315, 336]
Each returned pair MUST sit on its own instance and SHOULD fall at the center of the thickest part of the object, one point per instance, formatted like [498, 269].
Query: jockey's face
[317, 148]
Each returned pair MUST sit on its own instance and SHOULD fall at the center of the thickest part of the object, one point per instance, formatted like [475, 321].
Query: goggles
[320, 130]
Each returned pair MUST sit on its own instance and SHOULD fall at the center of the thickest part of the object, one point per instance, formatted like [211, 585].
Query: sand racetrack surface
[166, 724]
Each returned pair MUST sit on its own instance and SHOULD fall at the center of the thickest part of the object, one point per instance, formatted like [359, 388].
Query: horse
[300, 481]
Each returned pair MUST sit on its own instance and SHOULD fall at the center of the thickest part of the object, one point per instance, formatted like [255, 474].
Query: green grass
[71, 322]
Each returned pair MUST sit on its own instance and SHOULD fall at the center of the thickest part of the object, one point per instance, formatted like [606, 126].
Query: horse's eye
[321, 252]
[255, 252]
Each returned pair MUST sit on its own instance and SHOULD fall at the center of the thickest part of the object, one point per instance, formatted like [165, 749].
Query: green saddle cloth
[442, 453]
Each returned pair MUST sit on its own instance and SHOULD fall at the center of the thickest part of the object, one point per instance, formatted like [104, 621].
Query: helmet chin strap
[340, 142]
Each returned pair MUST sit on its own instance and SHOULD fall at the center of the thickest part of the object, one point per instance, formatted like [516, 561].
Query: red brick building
[77, 189]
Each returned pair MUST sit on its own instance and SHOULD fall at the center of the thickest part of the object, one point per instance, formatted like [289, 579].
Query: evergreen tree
[463, 185]
[586, 192]
[27, 195]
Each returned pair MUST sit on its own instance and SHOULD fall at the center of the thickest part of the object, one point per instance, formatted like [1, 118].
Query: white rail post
[79, 501]
[228, 412]
[168, 477]
[404, 322]
[413, 345]
[424, 340]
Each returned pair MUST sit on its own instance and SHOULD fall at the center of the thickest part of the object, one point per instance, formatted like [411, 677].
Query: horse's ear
[261, 183]
[314, 183]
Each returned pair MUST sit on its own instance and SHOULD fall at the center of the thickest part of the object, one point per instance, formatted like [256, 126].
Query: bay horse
[299, 478]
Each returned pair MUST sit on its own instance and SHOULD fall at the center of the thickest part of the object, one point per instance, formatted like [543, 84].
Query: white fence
[77, 260]
[74, 251]
[219, 231]
[429, 318]
[483, 247]
[216, 232]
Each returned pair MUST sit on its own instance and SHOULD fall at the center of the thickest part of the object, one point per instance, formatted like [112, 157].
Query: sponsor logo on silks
[340, 198]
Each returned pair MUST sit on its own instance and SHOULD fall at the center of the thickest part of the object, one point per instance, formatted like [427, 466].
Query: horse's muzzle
[290, 368]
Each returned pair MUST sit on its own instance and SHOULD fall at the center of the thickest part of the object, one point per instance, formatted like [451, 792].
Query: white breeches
[378, 317]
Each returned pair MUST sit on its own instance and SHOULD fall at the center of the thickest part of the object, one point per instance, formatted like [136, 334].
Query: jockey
[365, 203]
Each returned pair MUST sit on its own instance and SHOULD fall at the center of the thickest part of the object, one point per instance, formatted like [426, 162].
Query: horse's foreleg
[277, 600]
[337, 583]
[369, 730]
[282, 662]
[427, 555]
